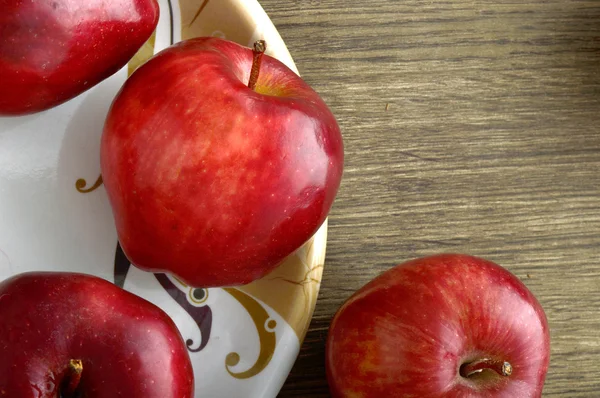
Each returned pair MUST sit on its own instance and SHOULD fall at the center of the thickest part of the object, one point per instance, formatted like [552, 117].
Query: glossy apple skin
[407, 332]
[128, 346]
[53, 50]
[210, 180]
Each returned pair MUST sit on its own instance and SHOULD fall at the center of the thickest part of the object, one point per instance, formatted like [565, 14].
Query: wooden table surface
[469, 126]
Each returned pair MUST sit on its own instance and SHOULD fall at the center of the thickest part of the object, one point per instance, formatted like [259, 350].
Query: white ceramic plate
[54, 215]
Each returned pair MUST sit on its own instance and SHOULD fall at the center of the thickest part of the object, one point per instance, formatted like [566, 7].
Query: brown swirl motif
[266, 335]
[81, 183]
[202, 316]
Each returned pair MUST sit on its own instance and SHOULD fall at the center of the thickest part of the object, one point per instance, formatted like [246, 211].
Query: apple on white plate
[219, 162]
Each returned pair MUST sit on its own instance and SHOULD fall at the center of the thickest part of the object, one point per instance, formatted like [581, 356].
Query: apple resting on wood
[218, 162]
[441, 326]
[53, 50]
[71, 335]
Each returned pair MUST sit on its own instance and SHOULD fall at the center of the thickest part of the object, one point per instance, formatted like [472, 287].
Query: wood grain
[490, 145]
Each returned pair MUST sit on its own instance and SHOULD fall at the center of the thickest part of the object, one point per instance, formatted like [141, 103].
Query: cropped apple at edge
[72, 335]
[448, 325]
[213, 181]
[52, 51]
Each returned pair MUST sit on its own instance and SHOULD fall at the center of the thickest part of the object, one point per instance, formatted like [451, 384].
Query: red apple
[53, 50]
[209, 179]
[73, 335]
[442, 326]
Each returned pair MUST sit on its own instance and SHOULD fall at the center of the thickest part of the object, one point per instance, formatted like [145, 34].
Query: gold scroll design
[143, 54]
[265, 326]
[291, 289]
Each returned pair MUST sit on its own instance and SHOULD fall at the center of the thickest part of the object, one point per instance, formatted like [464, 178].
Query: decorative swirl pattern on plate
[202, 315]
[191, 302]
[266, 335]
[81, 183]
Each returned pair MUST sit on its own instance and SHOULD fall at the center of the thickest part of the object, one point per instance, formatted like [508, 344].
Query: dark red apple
[53, 50]
[442, 326]
[209, 179]
[72, 335]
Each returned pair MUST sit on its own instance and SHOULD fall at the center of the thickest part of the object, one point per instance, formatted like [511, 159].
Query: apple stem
[73, 377]
[259, 49]
[468, 369]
